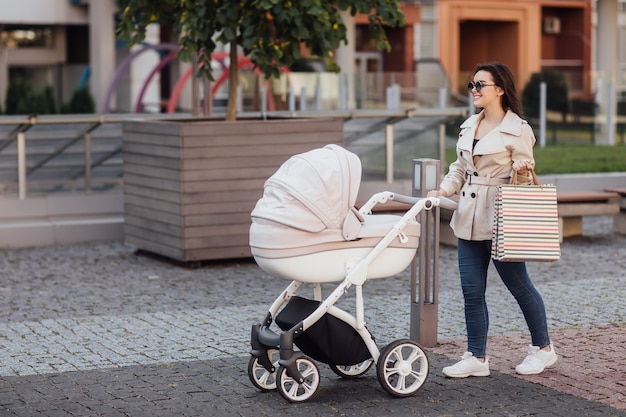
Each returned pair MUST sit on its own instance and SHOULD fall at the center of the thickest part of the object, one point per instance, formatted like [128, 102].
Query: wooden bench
[619, 220]
[574, 205]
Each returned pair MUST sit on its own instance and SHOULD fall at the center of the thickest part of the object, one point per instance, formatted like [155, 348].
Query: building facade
[69, 43]
[527, 35]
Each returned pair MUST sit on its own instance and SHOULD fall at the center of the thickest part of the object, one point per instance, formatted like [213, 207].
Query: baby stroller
[305, 229]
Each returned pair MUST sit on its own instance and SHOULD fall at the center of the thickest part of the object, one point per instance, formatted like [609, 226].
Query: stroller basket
[329, 340]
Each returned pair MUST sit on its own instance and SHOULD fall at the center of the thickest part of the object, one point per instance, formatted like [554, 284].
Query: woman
[491, 145]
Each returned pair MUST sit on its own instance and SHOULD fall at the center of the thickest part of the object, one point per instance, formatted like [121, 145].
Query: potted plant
[190, 185]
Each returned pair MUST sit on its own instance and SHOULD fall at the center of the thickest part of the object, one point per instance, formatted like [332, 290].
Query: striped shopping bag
[526, 225]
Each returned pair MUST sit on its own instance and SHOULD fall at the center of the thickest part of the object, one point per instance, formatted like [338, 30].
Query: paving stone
[97, 330]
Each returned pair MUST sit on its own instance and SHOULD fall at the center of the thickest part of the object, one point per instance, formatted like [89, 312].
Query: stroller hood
[314, 191]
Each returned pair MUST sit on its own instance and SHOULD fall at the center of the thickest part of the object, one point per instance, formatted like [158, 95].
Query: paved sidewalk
[96, 330]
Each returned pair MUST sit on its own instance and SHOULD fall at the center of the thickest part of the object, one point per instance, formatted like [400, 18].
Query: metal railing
[57, 153]
[83, 153]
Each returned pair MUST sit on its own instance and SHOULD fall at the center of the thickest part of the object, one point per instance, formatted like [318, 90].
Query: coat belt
[473, 179]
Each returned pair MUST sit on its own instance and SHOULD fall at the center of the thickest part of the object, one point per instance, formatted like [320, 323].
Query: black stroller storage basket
[330, 340]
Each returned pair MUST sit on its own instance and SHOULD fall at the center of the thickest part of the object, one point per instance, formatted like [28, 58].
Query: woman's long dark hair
[503, 78]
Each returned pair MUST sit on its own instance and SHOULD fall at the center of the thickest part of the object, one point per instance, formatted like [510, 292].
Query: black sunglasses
[478, 85]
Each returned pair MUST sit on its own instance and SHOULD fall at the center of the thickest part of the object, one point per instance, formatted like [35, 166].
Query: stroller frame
[264, 341]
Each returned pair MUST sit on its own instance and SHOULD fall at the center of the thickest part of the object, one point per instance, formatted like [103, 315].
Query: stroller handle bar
[443, 202]
[385, 196]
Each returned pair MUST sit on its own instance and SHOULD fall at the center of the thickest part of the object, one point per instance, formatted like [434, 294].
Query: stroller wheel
[402, 368]
[293, 391]
[261, 377]
[352, 371]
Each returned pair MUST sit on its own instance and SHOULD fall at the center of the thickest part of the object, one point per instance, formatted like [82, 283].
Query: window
[27, 36]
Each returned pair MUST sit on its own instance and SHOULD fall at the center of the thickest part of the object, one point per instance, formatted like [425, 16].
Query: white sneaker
[467, 366]
[536, 361]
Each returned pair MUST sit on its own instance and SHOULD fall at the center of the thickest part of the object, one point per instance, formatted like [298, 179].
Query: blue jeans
[474, 258]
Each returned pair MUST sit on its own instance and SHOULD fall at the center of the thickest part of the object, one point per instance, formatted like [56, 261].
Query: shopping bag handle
[532, 174]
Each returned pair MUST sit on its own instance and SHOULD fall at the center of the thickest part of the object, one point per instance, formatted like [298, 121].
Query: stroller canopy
[314, 191]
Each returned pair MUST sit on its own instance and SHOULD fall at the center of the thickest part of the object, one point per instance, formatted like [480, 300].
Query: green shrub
[81, 102]
[302, 65]
[39, 102]
[557, 93]
[16, 91]
[581, 107]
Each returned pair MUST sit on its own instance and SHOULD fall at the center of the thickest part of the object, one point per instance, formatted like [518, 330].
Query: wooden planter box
[190, 185]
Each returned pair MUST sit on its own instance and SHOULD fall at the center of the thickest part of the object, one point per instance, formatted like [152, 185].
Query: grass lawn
[566, 159]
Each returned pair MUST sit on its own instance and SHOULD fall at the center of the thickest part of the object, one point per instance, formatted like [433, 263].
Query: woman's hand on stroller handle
[437, 200]
[386, 196]
[447, 203]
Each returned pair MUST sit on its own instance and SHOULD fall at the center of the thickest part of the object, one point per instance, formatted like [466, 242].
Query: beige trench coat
[477, 182]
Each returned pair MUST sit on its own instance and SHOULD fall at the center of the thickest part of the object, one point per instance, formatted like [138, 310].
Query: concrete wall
[61, 219]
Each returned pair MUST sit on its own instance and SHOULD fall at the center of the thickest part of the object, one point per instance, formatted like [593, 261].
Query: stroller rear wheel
[261, 377]
[352, 371]
[293, 391]
[402, 368]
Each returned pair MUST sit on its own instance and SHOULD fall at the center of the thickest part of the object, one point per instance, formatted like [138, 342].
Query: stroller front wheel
[352, 371]
[261, 377]
[402, 368]
[293, 391]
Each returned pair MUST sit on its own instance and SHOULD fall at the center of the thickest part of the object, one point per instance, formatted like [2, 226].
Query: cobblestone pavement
[97, 330]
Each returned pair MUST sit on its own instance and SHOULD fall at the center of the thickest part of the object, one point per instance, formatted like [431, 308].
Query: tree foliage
[22, 99]
[270, 32]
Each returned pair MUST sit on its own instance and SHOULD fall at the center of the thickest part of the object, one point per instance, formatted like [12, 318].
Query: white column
[101, 49]
[606, 55]
[346, 57]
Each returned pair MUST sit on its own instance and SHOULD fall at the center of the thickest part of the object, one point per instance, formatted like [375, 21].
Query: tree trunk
[208, 97]
[195, 85]
[233, 82]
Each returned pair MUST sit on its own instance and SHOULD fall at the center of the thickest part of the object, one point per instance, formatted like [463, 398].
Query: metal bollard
[425, 265]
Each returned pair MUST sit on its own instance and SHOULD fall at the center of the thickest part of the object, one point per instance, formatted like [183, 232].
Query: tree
[556, 97]
[80, 102]
[270, 32]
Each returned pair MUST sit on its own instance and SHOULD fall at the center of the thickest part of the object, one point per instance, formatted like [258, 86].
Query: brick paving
[591, 361]
[592, 358]
[97, 330]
